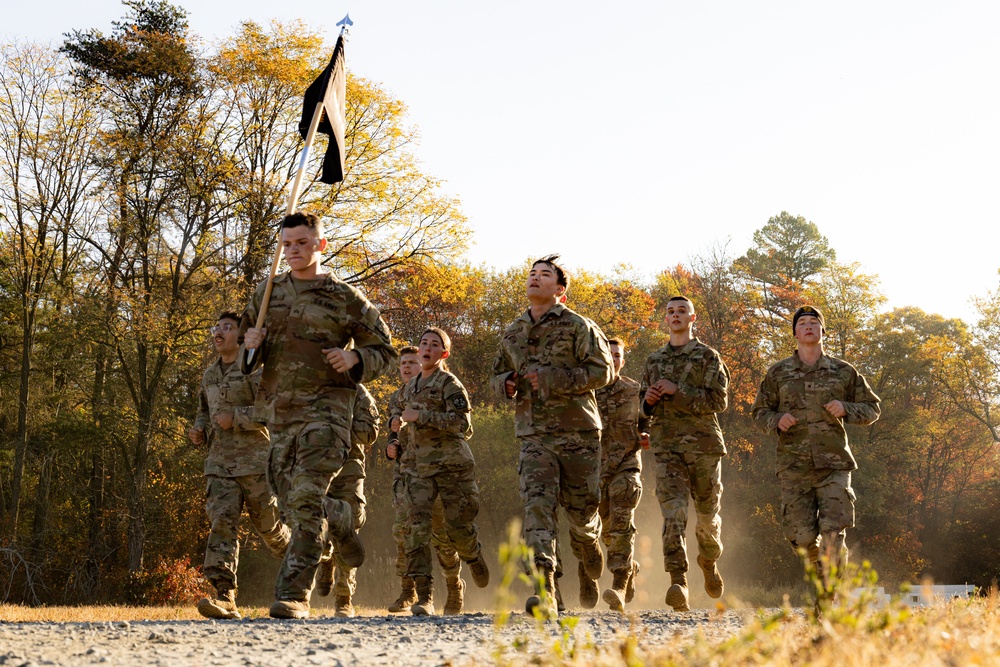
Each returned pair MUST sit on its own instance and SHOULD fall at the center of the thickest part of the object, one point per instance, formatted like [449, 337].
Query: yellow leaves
[288, 54]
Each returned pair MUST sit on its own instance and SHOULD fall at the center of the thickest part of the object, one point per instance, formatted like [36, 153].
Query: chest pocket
[556, 345]
[791, 394]
[323, 320]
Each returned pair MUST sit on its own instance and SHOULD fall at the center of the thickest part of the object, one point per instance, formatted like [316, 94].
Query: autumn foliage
[138, 198]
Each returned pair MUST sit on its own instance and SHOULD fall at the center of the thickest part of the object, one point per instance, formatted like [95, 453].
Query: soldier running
[623, 436]
[234, 468]
[806, 400]
[684, 386]
[436, 407]
[320, 339]
[334, 574]
[550, 362]
[448, 559]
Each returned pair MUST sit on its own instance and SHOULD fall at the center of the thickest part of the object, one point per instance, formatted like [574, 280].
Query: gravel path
[367, 640]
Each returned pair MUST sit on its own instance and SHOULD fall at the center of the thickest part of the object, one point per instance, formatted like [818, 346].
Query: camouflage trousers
[451, 564]
[303, 459]
[458, 495]
[352, 491]
[225, 498]
[560, 469]
[678, 478]
[817, 504]
[620, 494]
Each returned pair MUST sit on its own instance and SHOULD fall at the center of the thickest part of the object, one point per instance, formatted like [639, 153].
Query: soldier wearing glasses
[234, 468]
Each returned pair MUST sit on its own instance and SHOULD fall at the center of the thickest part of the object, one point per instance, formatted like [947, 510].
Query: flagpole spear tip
[345, 23]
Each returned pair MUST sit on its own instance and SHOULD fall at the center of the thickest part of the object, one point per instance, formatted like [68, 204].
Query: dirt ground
[370, 640]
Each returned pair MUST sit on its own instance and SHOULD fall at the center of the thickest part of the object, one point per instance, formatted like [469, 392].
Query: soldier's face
[543, 283]
[679, 316]
[409, 365]
[301, 246]
[431, 351]
[618, 357]
[224, 335]
[808, 329]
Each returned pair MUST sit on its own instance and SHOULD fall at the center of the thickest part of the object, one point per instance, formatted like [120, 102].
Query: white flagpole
[249, 355]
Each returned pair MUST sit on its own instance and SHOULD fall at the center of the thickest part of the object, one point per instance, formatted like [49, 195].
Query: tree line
[142, 174]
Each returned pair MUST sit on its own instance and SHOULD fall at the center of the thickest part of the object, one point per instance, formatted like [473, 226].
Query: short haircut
[297, 219]
[616, 341]
[409, 349]
[229, 315]
[562, 277]
[682, 298]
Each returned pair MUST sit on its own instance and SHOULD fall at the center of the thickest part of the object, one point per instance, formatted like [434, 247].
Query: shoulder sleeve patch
[460, 402]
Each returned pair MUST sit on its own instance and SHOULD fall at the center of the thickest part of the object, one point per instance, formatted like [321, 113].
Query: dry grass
[955, 634]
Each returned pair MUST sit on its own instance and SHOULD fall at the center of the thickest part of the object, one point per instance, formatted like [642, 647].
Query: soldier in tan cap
[806, 400]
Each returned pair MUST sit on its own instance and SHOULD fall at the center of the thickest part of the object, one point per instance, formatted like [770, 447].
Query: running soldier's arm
[712, 396]
[365, 422]
[862, 406]
[765, 405]
[203, 420]
[372, 341]
[456, 417]
[645, 409]
[595, 368]
[243, 415]
[503, 370]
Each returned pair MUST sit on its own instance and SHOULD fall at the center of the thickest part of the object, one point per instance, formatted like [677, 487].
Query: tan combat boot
[630, 586]
[615, 596]
[456, 596]
[677, 594]
[289, 609]
[424, 606]
[714, 585]
[407, 596]
[593, 559]
[480, 572]
[544, 602]
[343, 607]
[222, 606]
[588, 588]
[352, 549]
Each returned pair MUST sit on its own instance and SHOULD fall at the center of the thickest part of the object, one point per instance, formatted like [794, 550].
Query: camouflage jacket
[818, 439]
[364, 431]
[298, 384]
[437, 440]
[242, 450]
[394, 411]
[686, 422]
[618, 404]
[572, 357]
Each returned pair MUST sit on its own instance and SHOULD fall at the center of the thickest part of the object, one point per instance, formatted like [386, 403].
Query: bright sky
[645, 132]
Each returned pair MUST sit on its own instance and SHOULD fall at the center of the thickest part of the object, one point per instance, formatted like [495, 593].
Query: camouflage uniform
[621, 486]
[814, 460]
[349, 485]
[438, 464]
[308, 407]
[448, 559]
[559, 425]
[234, 471]
[687, 446]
